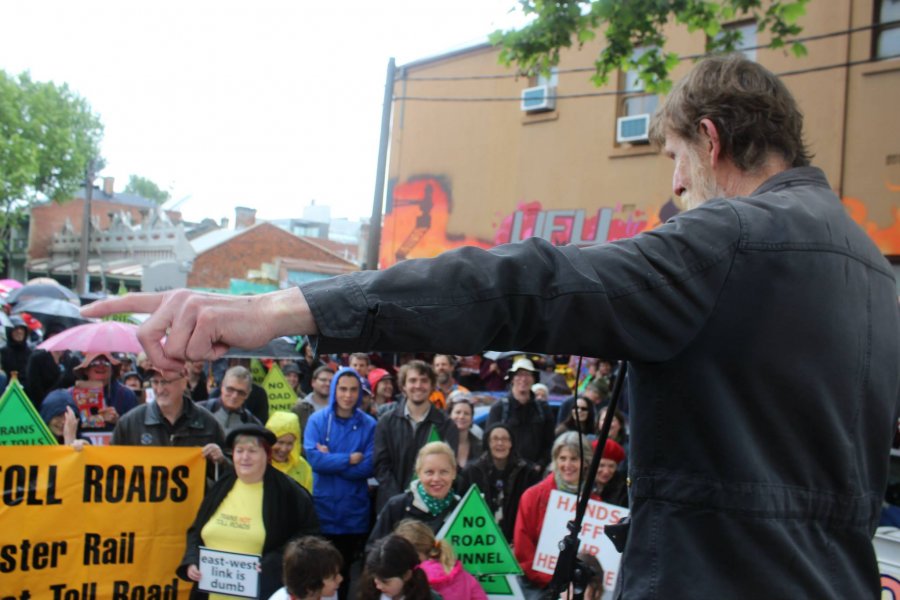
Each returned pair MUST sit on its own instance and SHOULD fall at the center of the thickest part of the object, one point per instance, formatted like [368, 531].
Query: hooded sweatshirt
[282, 423]
[457, 584]
[342, 492]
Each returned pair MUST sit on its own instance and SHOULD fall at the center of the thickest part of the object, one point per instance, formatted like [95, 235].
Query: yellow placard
[281, 396]
[98, 524]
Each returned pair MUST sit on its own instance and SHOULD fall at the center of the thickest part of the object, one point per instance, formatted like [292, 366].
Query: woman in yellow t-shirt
[255, 510]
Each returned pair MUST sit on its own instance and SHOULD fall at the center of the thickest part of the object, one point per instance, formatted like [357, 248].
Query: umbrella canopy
[42, 290]
[283, 347]
[8, 285]
[51, 312]
[103, 336]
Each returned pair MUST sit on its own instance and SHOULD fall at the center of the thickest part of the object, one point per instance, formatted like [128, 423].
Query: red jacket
[529, 521]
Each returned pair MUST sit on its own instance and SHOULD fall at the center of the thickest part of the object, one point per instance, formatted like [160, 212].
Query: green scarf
[434, 505]
[563, 486]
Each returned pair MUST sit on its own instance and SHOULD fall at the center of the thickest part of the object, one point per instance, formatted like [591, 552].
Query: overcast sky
[268, 104]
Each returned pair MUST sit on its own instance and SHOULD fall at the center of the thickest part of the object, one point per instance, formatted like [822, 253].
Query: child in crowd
[445, 574]
[312, 570]
[393, 572]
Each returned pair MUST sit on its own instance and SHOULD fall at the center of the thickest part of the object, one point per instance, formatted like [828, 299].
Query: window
[635, 101]
[886, 35]
[746, 42]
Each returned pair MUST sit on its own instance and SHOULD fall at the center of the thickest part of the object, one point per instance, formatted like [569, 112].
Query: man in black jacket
[761, 328]
[404, 429]
[530, 419]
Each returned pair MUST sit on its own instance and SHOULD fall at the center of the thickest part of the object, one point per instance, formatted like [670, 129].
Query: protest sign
[88, 397]
[257, 370]
[280, 394]
[561, 510]
[100, 523]
[20, 423]
[230, 573]
[480, 545]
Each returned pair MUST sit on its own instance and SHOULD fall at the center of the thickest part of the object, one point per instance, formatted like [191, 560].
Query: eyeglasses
[155, 381]
[99, 363]
[236, 391]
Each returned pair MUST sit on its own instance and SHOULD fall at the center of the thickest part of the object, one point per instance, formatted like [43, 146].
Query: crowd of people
[370, 458]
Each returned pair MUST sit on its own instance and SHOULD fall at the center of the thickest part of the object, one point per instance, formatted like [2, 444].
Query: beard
[704, 186]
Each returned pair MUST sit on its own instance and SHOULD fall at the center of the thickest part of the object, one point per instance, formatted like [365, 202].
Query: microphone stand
[568, 568]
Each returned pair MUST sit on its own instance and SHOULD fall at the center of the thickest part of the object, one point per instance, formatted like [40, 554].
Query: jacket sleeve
[642, 298]
[364, 468]
[529, 522]
[322, 462]
[384, 472]
[384, 524]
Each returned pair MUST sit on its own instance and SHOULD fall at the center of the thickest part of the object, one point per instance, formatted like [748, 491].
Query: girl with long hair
[445, 573]
[392, 572]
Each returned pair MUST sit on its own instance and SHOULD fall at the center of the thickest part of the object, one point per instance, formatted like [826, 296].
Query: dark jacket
[14, 355]
[615, 491]
[342, 491]
[403, 506]
[396, 447]
[287, 514]
[764, 346]
[532, 424]
[146, 426]
[218, 410]
[502, 489]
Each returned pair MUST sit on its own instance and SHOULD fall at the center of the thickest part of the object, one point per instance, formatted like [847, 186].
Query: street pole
[83, 284]
[377, 204]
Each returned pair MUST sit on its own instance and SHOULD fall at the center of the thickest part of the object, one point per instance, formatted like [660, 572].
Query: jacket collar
[791, 177]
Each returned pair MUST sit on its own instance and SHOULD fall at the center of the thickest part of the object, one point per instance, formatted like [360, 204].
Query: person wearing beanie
[610, 485]
[383, 388]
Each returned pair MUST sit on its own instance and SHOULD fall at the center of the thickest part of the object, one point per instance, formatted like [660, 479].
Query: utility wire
[518, 74]
[613, 92]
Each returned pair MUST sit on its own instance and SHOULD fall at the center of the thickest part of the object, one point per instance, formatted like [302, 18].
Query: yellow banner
[103, 523]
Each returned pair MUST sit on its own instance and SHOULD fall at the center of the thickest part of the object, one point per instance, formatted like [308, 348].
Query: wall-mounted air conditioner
[538, 99]
[633, 129]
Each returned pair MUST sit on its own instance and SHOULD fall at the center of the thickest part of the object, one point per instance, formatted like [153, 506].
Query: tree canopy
[48, 137]
[146, 188]
[630, 24]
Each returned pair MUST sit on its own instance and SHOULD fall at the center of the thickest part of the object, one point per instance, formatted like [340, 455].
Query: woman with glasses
[501, 475]
[580, 418]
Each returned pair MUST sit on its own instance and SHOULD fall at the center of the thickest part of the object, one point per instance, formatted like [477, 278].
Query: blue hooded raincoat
[342, 491]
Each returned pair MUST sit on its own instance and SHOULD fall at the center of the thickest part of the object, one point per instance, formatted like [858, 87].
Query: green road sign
[477, 539]
[20, 423]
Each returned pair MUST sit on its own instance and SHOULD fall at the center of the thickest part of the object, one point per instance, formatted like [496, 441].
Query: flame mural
[418, 213]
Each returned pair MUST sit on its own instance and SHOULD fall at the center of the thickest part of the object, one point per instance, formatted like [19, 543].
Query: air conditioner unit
[634, 128]
[539, 98]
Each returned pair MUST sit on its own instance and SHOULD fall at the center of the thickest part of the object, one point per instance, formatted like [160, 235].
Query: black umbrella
[42, 290]
[283, 347]
[60, 314]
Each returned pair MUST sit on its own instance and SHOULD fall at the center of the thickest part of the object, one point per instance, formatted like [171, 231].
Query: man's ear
[709, 137]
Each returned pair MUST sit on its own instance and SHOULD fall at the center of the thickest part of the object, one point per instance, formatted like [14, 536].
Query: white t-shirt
[282, 594]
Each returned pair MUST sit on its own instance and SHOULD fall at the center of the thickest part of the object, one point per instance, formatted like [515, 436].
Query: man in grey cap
[531, 420]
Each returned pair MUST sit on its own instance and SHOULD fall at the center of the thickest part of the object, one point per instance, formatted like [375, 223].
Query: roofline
[439, 57]
[260, 224]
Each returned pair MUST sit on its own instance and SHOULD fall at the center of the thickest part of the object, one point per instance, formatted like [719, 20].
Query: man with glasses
[172, 419]
[229, 408]
[321, 385]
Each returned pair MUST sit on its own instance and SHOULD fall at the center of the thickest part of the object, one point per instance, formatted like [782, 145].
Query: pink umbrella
[8, 285]
[103, 336]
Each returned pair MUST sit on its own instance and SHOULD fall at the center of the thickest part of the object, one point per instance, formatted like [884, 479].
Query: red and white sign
[561, 510]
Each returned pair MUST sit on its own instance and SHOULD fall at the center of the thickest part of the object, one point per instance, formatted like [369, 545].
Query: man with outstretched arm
[761, 328]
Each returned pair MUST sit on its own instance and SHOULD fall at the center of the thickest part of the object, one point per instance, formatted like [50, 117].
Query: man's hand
[322, 448]
[109, 414]
[70, 427]
[214, 453]
[187, 325]
[356, 458]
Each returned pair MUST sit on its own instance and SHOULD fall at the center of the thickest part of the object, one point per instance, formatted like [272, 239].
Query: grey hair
[569, 441]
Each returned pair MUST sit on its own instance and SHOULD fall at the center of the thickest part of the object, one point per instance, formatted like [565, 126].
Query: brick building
[226, 255]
